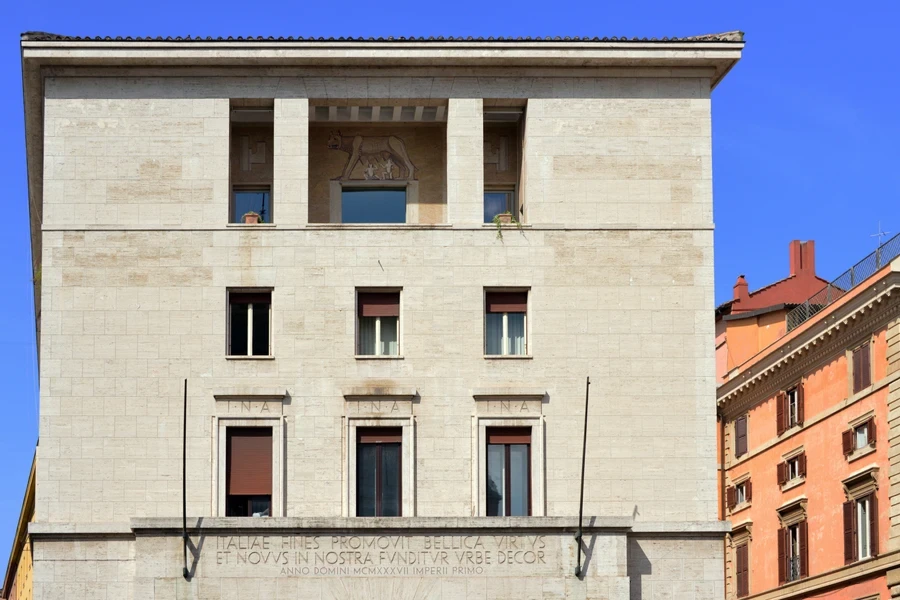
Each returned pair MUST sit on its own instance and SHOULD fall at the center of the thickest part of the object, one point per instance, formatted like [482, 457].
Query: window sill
[379, 225]
[793, 483]
[740, 507]
[373, 357]
[239, 357]
[856, 455]
[508, 357]
[506, 225]
[251, 225]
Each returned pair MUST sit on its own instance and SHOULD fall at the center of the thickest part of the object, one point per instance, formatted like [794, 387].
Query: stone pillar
[465, 161]
[290, 186]
[893, 401]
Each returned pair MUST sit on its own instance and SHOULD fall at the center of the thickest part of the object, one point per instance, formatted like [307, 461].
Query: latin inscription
[388, 555]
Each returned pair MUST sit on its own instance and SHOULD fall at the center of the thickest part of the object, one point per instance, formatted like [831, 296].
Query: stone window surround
[868, 448]
[249, 290]
[792, 512]
[861, 483]
[740, 480]
[407, 425]
[741, 533]
[797, 481]
[221, 426]
[480, 425]
[528, 337]
[412, 198]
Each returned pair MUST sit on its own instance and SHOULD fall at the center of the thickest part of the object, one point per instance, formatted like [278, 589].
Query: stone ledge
[79, 529]
[701, 527]
[249, 392]
[488, 393]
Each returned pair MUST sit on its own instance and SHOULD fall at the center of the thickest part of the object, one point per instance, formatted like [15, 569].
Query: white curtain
[389, 345]
[515, 328]
[493, 334]
[367, 335]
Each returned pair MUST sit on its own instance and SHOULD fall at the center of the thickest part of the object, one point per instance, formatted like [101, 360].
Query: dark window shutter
[748, 490]
[782, 556]
[249, 456]
[782, 473]
[730, 497]
[857, 370]
[871, 428]
[781, 412]
[801, 465]
[873, 524]
[801, 409]
[849, 533]
[509, 435]
[507, 302]
[865, 376]
[743, 571]
[250, 297]
[740, 434]
[847, 442]
[378, 304]
[804, 548]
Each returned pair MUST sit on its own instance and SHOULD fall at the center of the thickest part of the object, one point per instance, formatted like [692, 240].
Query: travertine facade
[129, 190]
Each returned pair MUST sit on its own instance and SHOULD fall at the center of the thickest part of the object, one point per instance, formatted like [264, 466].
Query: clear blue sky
[805, 129]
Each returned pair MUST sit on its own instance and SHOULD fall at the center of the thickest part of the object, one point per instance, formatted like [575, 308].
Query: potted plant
[504, 218]
[251, 218]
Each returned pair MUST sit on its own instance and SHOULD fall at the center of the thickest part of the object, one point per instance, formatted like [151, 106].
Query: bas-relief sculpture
[379, 155]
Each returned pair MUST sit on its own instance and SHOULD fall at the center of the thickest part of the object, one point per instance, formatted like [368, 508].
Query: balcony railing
[848, 280]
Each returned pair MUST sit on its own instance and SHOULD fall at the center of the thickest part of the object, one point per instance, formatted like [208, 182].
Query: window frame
[537, 456]
[504, 343]
[740, 493]
[507, 464]
[228, 341]
[793, 406]
[357, 344]
[411, 187]
[512, 201]
[234, 218]
[794, 553]
[407, 461]
[379, 449]
[222, 425]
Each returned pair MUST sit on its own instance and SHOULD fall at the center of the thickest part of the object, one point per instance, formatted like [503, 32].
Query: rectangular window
[249, 323]
[378, 472]
[793, 401]
[505, 323]
[373, 205]
[793, 573]
[509, 471]
[740, 436]
[742, 570]
[862, 370]
[502, 159]
[793, 553]
[248, 469]
[793, 468]
[378, 323]
[859, 437]
[251, 161]
[860, 528]
[790, 408]
[740, 492]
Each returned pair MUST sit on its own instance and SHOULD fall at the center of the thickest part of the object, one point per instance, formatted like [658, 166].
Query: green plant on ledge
[502, 219]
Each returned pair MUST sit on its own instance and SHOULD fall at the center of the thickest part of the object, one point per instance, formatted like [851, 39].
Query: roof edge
[25, 516]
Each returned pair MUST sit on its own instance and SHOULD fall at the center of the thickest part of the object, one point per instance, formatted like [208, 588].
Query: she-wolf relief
[379, 155]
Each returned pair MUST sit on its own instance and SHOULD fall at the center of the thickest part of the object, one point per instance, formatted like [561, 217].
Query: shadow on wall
[638, 565]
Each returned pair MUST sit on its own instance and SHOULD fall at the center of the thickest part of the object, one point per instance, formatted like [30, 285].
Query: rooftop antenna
[881, 234]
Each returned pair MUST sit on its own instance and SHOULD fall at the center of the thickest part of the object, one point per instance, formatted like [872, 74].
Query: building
[383, 269]
[18, 581]
[809, 440]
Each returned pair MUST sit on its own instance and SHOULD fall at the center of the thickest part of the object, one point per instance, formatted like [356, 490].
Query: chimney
[803, 258]
[741, 289]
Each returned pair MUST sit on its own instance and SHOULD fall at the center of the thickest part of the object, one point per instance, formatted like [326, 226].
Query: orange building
[809, 432]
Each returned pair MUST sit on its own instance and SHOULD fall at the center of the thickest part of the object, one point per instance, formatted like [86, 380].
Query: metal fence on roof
[848, 280]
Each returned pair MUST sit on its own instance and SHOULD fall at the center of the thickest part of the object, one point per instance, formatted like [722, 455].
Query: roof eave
[25, 515]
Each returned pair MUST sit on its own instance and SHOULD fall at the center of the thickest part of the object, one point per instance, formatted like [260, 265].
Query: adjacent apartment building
[383, 269]
[809, 433]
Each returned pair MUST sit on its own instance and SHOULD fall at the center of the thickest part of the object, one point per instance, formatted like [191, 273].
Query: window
[502, 158]
[378, 323]
[742, 570]
[373, 205]
[792, 469]
[505, 323]
[860, 528]
[862, 371]
[738, 494]
[859, 436]
[497, 202]
[792, 552]
[251, 162]
[378, 472]
[248, 323]
[740, 436]
[248, 472]
[509, 472]
[790, 408]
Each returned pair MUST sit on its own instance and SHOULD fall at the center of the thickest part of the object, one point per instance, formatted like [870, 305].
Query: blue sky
[805, 129]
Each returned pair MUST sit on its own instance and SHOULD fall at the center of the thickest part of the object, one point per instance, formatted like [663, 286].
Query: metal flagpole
[184, 536]
[579, 535]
